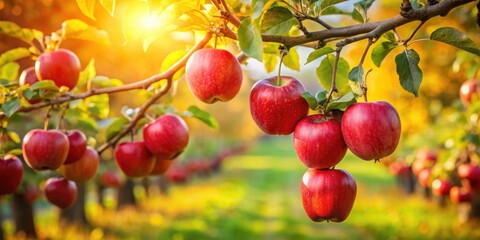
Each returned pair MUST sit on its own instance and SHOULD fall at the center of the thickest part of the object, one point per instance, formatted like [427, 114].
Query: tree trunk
[146, 186]
[163, 185]
[471, 210]
[100, 195]
[22, 214]
[125, 195]
[76, 213]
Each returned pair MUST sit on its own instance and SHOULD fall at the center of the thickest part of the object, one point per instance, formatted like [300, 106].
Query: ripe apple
[371, 129]
[134, 159]
[277, 107]
[460, 194]
[83, 169]
[213, 75]
[45, 149]
[399, 169]
[469, 89]
[166, 137]
[441, 187]
[328, 194]
[78, 146]
[161, 166]
[469, 171]
[424, 177]
[111, 179]
[29, 77]
[177, 174]
[319, 142]
[424, 159]
[11, 173]
[61, 66]
[61, 192]
[32, 193]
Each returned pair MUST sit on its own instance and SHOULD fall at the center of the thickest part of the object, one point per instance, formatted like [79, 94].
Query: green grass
[257, 196]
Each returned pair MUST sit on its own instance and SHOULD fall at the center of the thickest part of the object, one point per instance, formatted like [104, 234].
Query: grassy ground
[257, 196]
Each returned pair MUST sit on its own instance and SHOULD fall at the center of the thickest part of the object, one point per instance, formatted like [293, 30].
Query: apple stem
[364, 86]
[333, 88]
[61, 121]
[47, 118]
[283, 52]
[132, 135]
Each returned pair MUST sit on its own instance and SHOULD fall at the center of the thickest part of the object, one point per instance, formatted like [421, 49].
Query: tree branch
[372, 29]
[143, 84]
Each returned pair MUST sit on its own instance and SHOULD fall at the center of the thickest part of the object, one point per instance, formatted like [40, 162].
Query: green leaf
[47, 85]
[325, 4]
[14, 137]
[117, 125]
[278, 21]
[325, 70]
[318, 53]
[103, 81]
[312, 102]
[15, 152]
[87, 74]
[25, 34]
[87, 7]
[98, 105]
[10, 107]
[259, 7]
[334, 11]
[455, 38]
[292, 59]
[356, 74]
[250, 39]
[14, 55]
[360, 10]
[380, 51]
[109, 5]
[321, 96]
[390, 36]
[9, 71]
[408, 71]
[77, 29]
[342, 103]
[203, 116]
[170, 60]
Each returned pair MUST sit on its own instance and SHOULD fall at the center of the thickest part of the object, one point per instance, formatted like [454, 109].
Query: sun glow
[150, 21]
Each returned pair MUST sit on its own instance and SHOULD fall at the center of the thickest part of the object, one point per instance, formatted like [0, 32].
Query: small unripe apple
[213, 75]
[61, 192]
[61, 66]
[11, 173]
[45, 149]
[371, 129]
[277, 106]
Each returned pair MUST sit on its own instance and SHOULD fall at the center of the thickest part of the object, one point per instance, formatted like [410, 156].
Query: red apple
[45, 149]
[61, 66]
[371, 129]
[161, 166]
[29, 77]
[399, 169]
[111, 179]
[78, 146]
[424, 159]
[469, 171]
[276, 107]
[134, 159]
[166, 137]
[424, 177]
[177, 174]
[441, 187]
[213, 75]
[328, 194]
[468, 90]
[32, 193]
[61, 192]
[11, 173]
[458, 195]
[83, 169]
[319, 142]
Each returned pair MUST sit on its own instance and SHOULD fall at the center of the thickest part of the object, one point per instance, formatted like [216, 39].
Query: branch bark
[371, 29]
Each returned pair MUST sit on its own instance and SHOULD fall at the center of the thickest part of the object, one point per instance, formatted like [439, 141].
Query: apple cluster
[371, 130]
[163, 140]
[65, 152]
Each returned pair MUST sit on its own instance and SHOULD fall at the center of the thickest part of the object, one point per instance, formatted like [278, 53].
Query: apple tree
[67, 95]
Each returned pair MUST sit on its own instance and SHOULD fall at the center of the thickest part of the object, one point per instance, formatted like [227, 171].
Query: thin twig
[333, 88]
[405, 42]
